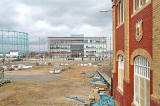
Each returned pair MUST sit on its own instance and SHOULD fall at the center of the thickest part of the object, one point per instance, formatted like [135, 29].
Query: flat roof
[77, 37]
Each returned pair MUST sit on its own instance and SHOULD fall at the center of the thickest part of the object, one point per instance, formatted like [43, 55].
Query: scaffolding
[13, 41]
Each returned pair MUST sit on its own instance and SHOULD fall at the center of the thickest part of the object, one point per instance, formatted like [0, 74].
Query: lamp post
[107, 11]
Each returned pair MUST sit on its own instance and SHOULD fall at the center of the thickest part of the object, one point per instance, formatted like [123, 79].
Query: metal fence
[1, 74]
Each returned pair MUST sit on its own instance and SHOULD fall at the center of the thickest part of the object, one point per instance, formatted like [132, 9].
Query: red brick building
[136, 69]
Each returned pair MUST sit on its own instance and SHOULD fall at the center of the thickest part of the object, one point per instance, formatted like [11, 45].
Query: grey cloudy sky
[44, 18]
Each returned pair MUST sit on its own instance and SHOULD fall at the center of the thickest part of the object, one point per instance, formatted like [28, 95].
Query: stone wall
[156, 50]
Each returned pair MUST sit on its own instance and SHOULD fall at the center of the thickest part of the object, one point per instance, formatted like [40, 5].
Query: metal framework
[13, 40]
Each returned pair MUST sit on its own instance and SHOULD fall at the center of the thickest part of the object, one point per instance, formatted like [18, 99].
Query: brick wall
[146, 43]
[120, 38]
[126, 33]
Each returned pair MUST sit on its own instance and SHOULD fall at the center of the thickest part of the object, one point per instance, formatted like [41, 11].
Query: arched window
[120, 72]
[141, 81]
[142, 67]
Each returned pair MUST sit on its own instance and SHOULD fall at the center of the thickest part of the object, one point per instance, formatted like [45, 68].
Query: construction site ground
[37, 87]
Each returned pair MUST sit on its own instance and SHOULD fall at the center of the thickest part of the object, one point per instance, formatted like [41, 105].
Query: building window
[139, 3]
[120, 12]
[120, 72]
[141, 81]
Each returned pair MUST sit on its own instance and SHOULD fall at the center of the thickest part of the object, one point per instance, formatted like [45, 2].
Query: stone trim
[117, 27]
[120, 91]
[126, 39]
[155, 99]
[141, 52]
[114, 39]
[156, 47]
[132, 104]
[120, 52]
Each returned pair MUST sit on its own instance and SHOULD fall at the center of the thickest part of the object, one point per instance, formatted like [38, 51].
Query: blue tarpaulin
[104, 100]
[94, 81]
[76, 98]
[101, 78]
[91, 75]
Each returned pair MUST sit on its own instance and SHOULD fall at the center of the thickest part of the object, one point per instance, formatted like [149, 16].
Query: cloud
[44, 18]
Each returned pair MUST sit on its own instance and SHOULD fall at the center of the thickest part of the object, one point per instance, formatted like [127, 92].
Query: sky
[53, 18]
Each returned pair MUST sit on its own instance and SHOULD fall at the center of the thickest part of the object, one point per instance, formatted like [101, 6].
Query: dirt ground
[49, 92]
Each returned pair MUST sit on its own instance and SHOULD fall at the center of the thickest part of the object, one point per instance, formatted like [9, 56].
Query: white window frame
[123, 10]
[120, 72]
[141, 70]
[142, 66]
[140, 5]
[119, 12]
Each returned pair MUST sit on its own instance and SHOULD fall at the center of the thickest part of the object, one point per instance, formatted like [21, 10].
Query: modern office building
[77, 47]
[95, 47]
[13, 43]
[136, 69]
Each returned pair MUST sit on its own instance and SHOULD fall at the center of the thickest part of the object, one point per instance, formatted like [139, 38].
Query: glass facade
[95, 46]
[77, 47]
[13, 41]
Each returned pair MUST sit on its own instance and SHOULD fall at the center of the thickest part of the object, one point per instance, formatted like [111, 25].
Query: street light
[107, 11]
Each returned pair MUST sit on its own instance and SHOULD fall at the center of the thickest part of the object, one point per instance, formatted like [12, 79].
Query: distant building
[136, 69]
[77, 47]
[13, 43]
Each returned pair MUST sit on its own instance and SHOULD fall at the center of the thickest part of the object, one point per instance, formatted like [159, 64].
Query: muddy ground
[36, 87]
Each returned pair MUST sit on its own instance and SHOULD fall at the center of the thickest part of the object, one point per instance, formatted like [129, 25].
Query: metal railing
[1, 74]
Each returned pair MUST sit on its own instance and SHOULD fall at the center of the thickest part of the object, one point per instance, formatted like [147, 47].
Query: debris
[2, 82]
[76, 98]
[56, 71]
[66, 64]
[94, 65]
[90, 64]
[95, 90]
[101, 89]
[5, 67]
[82, 72]
[18, 67]
[91, 75]
[26, 67]
[100, 85]
[49, 64]
[91, 97]
[56, 64]
[96, 78]
[101, 92]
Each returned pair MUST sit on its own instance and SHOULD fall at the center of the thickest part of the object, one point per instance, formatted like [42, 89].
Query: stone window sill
[119, 25]
[120, 91]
